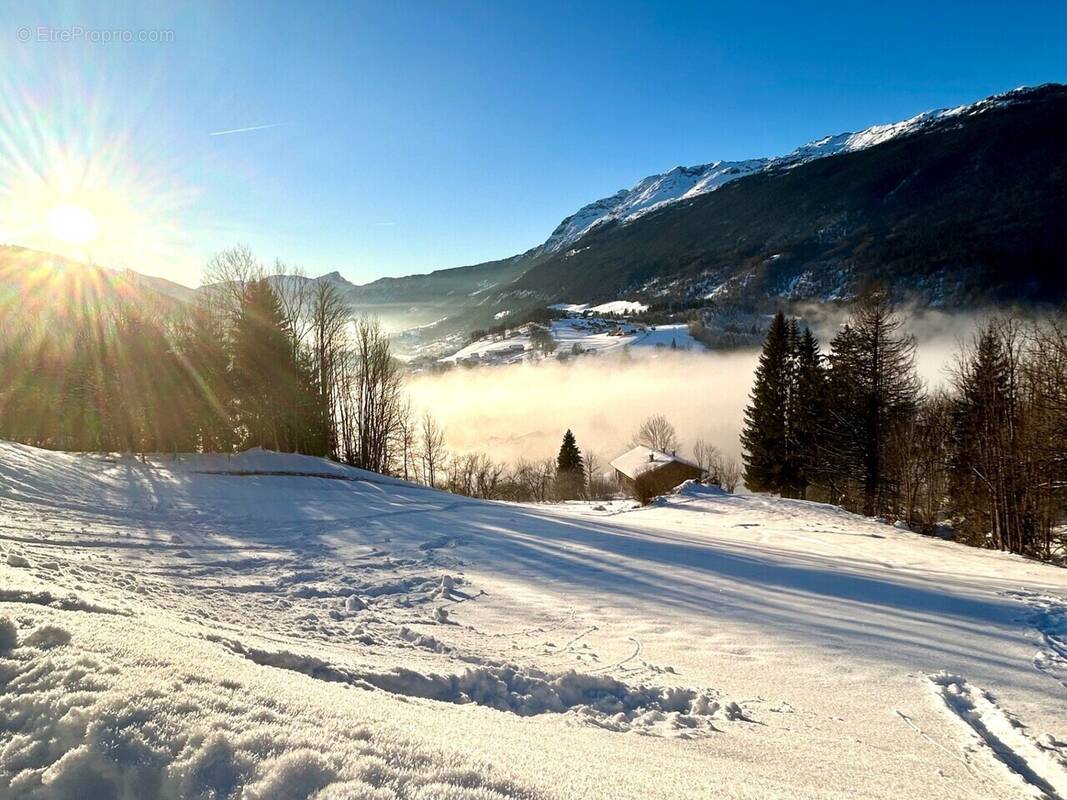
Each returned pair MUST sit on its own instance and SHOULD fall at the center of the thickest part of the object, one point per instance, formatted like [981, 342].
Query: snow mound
[67, 602]
[595, 698]
[293, 776]
[599, 699]
[78, 726]
[695, 489]
[48, 636]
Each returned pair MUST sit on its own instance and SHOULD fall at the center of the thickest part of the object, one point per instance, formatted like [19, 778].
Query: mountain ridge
[651, 195]
[966, 205]
[653, 191]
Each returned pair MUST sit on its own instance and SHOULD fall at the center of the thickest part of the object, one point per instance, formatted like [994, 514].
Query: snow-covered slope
[592, 336]
[683, 183]
[653, 192]
[273, 626]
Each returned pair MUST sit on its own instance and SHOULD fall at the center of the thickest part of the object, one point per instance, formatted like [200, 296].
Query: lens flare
[72, 224]
[89, 173]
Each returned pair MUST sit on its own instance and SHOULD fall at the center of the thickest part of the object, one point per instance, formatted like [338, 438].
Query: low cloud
[940, 334]
[521, 411]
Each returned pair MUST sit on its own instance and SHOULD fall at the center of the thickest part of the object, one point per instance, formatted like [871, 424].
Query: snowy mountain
[683, 183]
[303, 282]
[957, 207]
[652, 193]
[277, 626]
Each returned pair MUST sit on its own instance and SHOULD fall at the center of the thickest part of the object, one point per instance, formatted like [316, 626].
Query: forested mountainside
[967, 209]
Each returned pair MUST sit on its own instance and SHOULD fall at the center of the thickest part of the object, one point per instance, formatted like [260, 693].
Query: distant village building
[665, 470]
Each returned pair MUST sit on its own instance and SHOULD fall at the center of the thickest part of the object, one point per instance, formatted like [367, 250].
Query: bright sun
[72, 224]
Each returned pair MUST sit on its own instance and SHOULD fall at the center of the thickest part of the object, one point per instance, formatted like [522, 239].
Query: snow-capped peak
[653, 192]
[683, 183]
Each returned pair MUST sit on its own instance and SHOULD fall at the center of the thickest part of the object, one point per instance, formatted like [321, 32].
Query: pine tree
[873, 388]
[839, 462]
[570, 457]
[765, 433]
[265, 372]
[987, 462]
[205, 362]
[570, 467]
[541, 339]
[807, 410]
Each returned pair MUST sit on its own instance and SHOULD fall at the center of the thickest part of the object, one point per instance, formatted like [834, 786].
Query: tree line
[257, 360]
[984, 458]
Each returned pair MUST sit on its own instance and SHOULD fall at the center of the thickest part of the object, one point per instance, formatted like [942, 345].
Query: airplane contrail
[245, 130]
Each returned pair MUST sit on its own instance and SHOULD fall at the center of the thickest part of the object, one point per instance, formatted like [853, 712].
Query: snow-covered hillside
[651, 193]
[273, 626]
[591, 335]
[683, 183]
[621, 307]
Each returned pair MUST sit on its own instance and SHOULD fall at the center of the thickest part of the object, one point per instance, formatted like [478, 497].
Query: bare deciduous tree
[226, 277]
[598, 487]
[707, 457]
[406, 442]
[329, 316]
[919, 453]
[295, 294]
[488, 475]
[658, 433]
[461, 474]
[432, 453]
[729, 470]
[372, 396]
[533, 481]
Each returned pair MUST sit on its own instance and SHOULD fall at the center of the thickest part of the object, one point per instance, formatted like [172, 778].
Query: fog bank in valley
[522, 411]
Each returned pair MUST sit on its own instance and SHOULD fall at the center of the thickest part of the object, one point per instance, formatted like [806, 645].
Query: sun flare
[87, 179]
[72, 224]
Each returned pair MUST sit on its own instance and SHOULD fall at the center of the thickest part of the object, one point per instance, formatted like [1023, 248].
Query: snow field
[238, 627]
[88, 719]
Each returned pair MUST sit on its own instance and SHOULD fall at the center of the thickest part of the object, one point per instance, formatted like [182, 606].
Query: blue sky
[415, 136]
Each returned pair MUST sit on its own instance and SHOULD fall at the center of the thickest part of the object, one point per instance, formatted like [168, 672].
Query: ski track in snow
[238, 627]
[1039, 767]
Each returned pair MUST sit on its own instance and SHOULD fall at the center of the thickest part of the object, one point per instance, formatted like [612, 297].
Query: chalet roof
[641, 459]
